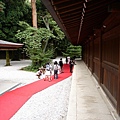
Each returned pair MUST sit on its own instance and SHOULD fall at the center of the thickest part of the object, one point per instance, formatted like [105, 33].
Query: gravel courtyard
[49, 104]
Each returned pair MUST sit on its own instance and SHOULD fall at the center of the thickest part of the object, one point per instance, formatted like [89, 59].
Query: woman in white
[48, 72]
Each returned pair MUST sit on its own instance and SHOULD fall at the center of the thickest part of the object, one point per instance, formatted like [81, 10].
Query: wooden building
[95, 25]
[6, 47]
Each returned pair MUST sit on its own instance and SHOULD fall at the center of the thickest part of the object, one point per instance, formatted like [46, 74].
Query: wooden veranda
[95, 25]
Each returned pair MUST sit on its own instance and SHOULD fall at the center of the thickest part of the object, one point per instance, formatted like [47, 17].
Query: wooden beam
[72, 4]
[70, 10]
[114, 7]
[72, 17]
[98, 4]
[71, 21]
[59, 2]
[69, 26]
[70, 14]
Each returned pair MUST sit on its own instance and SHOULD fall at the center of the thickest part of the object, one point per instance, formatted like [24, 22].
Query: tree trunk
[34, 14]
[45, 19]
[7, 58]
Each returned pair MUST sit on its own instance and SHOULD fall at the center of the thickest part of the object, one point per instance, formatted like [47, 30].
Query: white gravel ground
[49, 104]
[14, 74]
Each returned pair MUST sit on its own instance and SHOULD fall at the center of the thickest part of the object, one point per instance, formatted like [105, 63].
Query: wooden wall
[101, 53]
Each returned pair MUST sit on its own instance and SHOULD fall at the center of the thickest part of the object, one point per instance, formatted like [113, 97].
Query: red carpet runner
[11, 101]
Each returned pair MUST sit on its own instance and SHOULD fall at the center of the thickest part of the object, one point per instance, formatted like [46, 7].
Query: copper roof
[79, 18]
[5, 45]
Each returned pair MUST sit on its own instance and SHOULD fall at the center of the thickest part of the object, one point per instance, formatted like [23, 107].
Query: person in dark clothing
[71, 63]
[61, 65]
[66, 60]
[74, 60]
[56, 70]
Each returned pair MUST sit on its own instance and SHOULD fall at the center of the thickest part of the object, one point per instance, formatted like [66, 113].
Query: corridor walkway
[87, 100]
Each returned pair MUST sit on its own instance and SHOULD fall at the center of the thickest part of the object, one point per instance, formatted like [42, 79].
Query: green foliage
[73, 51]
[41, 11]
[13, 12]
[2, 6]
[40, 44]
[34, 40]
[59, 34]
[30, 68]
[59, 39]
[45, 20]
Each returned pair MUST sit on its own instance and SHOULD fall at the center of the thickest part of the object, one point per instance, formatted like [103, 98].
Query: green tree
[1, 6]
[45, 20]
[14, 11]
[73, 51]
[34, 40]
[51, 25]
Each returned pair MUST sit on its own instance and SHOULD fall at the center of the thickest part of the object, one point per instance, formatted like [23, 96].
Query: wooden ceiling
[79, 18]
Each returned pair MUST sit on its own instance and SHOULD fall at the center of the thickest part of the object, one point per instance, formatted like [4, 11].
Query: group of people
[46, 72]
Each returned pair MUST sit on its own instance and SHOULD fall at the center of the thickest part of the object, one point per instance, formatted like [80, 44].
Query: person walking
[48, 72]
[61, 65]
[66, 59]
[56, 67]
[74, 60]
[71, 64]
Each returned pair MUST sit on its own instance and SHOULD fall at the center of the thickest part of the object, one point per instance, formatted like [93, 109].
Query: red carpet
[11, 101]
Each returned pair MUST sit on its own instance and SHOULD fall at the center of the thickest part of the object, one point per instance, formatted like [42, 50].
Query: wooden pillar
[83, 53]
[88, 54]
[100, 53]
[7, 58]
[118, 98]
[86, 47]
[92, 55]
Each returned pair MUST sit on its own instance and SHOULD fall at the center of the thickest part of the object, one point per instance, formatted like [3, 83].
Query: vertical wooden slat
[92, 55]
[100, 50]
[118, 98]
[88, 54]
